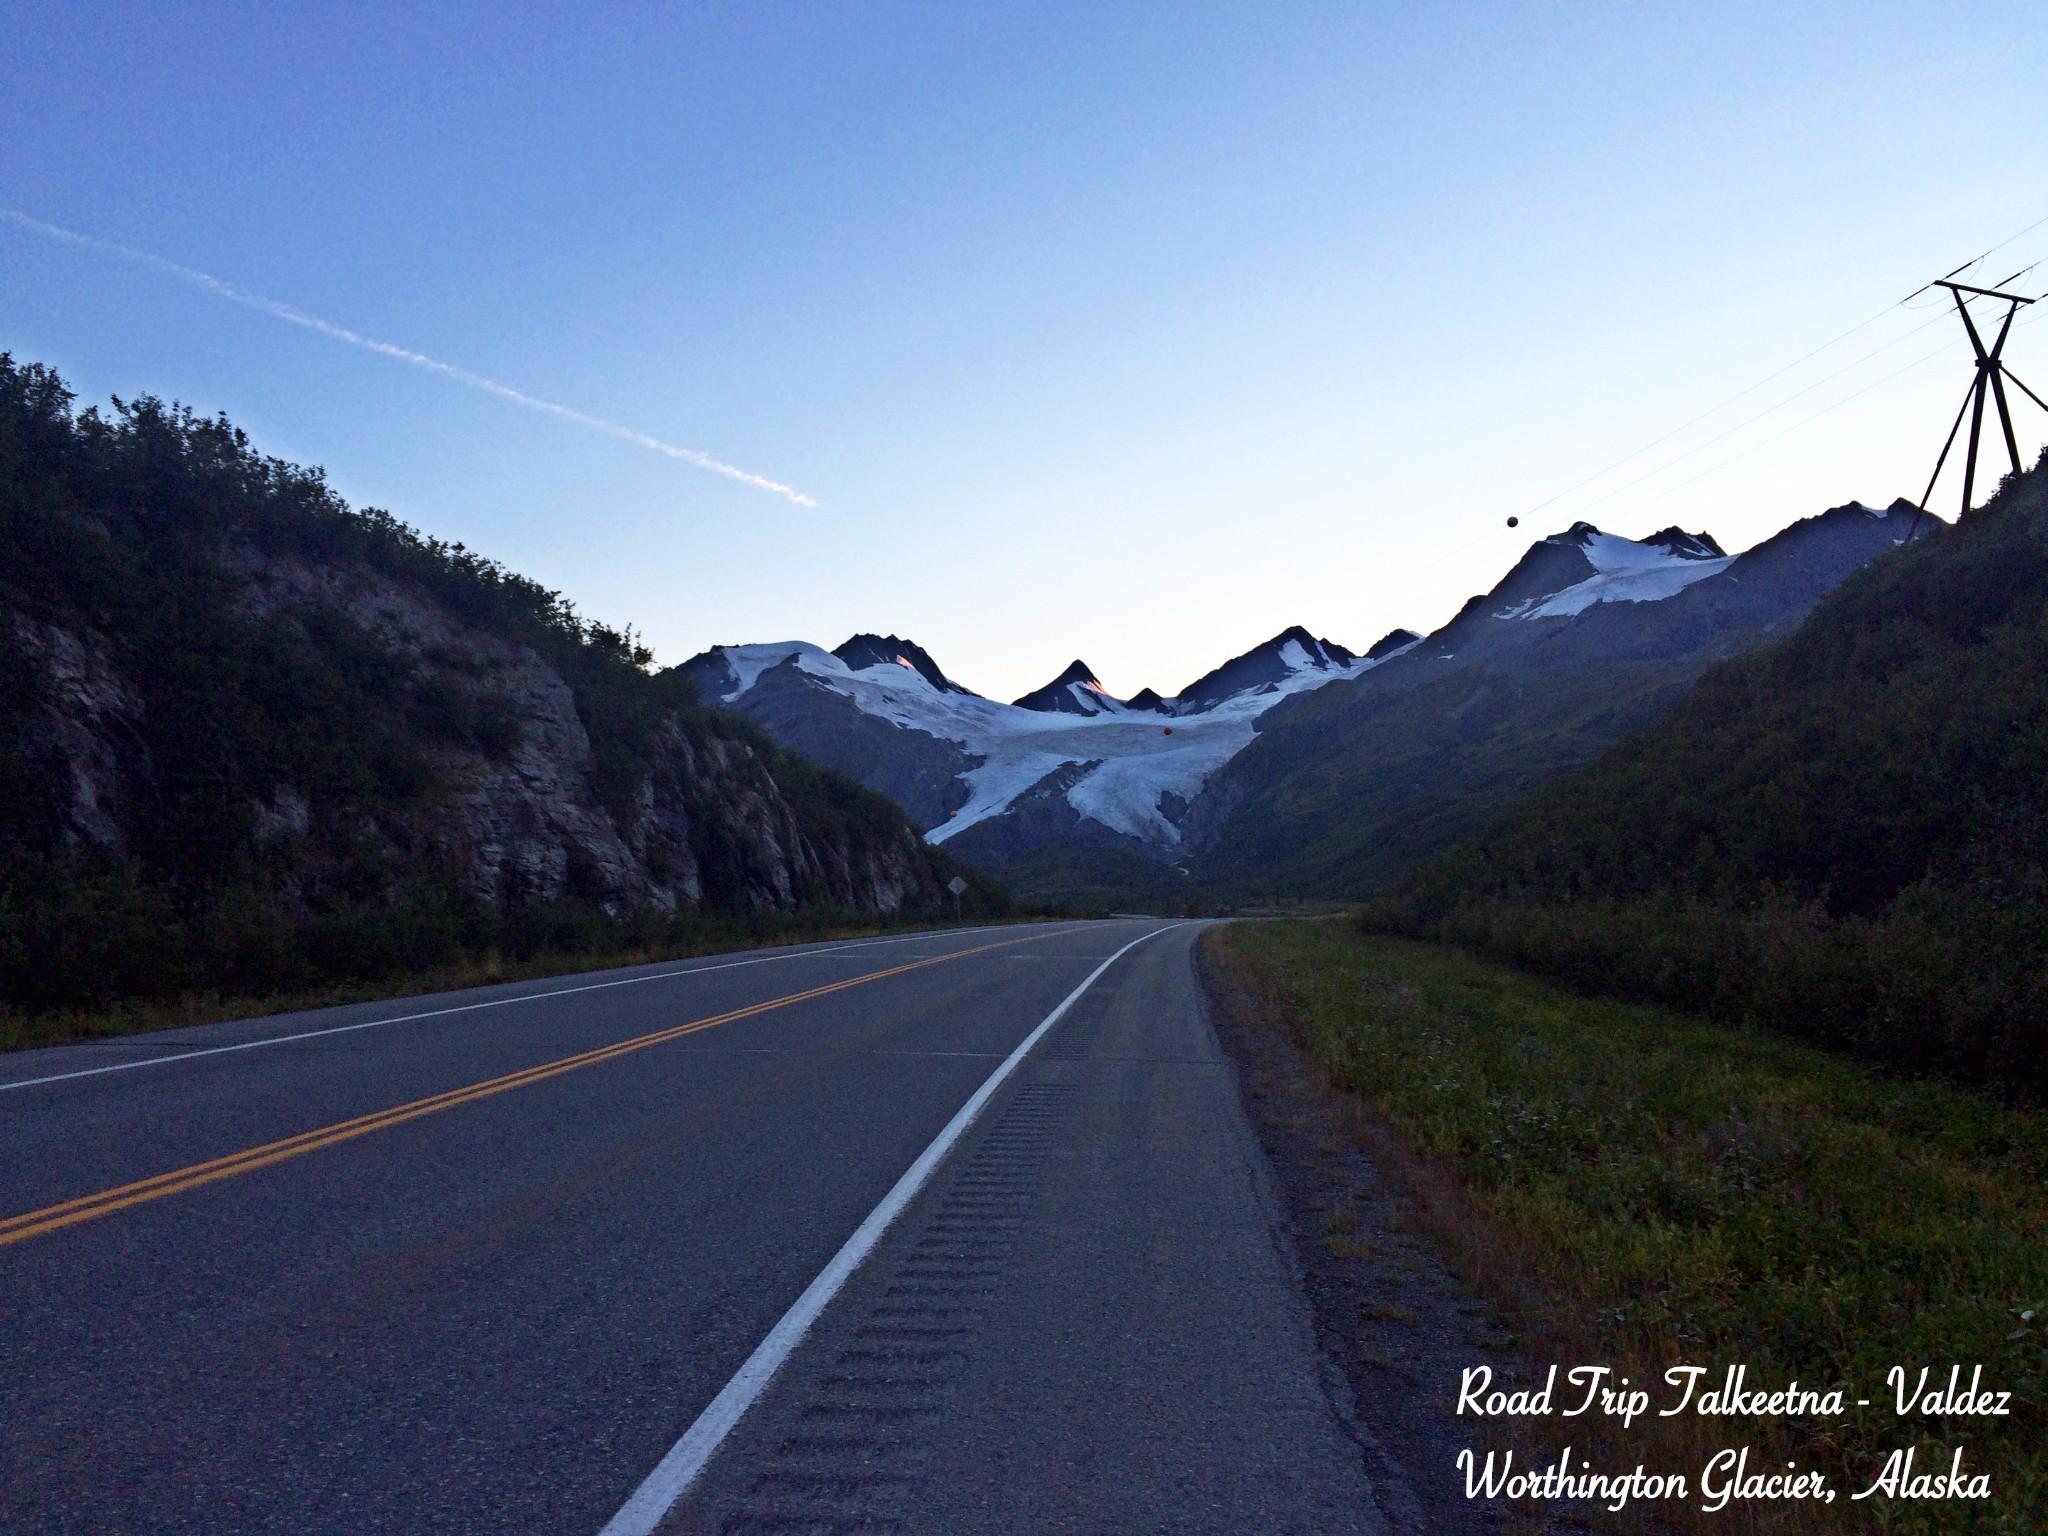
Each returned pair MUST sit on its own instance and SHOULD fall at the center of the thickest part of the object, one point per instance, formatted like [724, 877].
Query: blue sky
[1129, 332]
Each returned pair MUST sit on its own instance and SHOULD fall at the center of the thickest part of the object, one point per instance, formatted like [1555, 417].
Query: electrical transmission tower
[1992, 377]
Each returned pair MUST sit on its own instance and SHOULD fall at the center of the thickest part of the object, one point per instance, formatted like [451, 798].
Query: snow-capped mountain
[1290, 657]
[1074, 692]
[1605, 568]
[864, 651]
[1301, 741]
[1587, 637]
[1068, 759]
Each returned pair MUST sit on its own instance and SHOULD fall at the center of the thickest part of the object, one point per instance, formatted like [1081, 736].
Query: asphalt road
[477, 1267]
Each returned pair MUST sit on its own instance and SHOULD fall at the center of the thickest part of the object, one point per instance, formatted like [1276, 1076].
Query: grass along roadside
[26, 1031]
[1641, 1189]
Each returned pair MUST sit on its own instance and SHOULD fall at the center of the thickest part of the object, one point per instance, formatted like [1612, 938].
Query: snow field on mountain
[1626, 572]
[1144, 755]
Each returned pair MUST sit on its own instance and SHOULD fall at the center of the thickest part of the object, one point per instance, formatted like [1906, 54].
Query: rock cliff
[242, 722]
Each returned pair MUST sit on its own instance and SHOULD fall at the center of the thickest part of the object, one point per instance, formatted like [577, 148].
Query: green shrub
[137, 531]
[1844, 836]
[1652, 1188]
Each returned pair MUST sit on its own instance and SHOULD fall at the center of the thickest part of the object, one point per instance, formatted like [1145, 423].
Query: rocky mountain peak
[1687, 546]
[1393, 640]
[1074, 692]
[1263, 666]
[863, 651]
[1549, 566]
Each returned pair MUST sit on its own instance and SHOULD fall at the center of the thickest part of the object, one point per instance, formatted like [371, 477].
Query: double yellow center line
[15, 1229]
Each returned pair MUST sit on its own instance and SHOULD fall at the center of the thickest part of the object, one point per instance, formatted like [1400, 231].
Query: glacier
[1143, 756]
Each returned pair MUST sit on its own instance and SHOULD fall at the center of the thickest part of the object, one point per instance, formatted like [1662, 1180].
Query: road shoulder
[1391, 1317]
[1089, 1323]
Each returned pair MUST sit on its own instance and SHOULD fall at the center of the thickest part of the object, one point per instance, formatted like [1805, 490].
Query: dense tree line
[1844, 836]
[127, 527]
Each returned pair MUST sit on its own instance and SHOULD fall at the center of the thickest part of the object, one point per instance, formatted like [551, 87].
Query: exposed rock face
[921, 772]
[863, 651]
[1263, 667]
[254, 741]
[82, 730]
[1393, 640]
[514, 813]
[1074, 692]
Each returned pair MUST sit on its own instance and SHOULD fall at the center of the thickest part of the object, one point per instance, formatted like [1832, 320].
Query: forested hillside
[1844, 836]
[1348, 788]
[251, 739]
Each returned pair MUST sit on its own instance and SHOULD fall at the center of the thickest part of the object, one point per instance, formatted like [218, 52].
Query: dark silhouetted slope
[1588, 637]
[1843, 835]
[252, 739]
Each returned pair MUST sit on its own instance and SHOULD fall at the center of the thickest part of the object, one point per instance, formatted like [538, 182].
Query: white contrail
[220, 288]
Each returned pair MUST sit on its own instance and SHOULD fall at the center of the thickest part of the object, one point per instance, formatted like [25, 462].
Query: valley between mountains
[1299, 766]
[487, 1258]
[258, 742]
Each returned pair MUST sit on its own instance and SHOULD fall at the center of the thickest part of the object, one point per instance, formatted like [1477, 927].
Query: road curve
[475, 1263]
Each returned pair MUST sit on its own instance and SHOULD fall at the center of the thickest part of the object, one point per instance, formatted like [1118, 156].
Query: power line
[1760, 415]
[2008, 240]
[1741, 453]
[1990, 381]
[1713, 410]
[1781, 372]
[1925, 357]
[1752, 389]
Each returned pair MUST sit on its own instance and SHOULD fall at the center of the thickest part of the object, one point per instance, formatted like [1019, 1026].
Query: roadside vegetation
[534, 942]
[1843, 837]
[129, 536]
[1642, 1188]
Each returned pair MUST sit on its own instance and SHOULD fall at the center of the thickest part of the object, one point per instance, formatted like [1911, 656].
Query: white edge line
[495, 1002]
[671, 1479]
